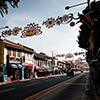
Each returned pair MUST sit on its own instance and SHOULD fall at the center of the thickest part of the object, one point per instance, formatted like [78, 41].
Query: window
[14, 53]
[27, 55]
[18, 54]
[9, 52]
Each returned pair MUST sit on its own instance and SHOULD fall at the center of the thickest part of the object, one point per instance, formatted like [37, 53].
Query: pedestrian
[8, 79]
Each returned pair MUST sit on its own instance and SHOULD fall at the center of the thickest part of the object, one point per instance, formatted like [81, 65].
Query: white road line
[33, 84]
[13, 84]
[7, 90]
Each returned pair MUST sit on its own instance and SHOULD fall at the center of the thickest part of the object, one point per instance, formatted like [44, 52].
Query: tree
[83, 38]
[4, 5]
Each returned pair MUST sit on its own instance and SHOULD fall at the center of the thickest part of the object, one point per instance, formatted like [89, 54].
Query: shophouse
[62, 65]
[28, 61]
[42, 63]
[16, 60]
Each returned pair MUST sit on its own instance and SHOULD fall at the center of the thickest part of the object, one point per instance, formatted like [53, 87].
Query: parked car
[70, 72]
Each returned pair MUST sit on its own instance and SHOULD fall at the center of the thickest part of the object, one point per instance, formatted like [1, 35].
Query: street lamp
[4, 27]
[67, 7]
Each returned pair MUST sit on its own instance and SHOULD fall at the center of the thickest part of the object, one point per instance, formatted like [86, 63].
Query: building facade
[16, 61]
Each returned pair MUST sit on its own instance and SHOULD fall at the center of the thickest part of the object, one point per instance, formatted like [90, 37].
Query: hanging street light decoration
[16, 31]
[10, 32]
[31, 30]
[50, 22]
[69, 55]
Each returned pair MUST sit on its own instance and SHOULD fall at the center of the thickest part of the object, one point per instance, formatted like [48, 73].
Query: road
[48, 88]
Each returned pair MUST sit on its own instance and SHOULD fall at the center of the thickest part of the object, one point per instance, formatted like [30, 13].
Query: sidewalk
[90, 92]
[2, 83]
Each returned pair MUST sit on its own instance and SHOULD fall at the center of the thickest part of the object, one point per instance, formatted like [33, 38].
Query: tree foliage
[4, 5]
[83, 38]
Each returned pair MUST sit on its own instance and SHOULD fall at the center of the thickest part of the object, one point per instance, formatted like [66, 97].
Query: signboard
[14, 60]
[22, 73]
[5, 78]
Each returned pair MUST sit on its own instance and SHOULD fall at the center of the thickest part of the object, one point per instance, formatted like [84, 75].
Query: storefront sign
[22, 73]
[27, 64]
[14, 60]
[5, 78]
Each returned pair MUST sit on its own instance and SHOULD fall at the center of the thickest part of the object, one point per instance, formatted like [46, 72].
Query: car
[70, 72]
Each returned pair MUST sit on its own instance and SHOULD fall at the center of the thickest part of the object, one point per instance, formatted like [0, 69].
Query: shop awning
[49, 69]
[20, 66]
[13, 65]
[41, 69]
[27, 64]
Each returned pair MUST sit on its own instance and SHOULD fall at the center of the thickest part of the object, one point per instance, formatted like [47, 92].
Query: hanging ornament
[10, 32]
[72, 24]
[16, 31]
[6, 33]
[31, 30]
[59, 20]
[65, 18]
[69, 55]
[50, 22]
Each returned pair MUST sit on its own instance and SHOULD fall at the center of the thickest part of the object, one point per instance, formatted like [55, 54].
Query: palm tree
[4, 5]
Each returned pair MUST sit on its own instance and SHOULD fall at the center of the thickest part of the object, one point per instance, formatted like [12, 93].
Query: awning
[41, 69]
[13, 65]
[20, 66]
[27, 64]
[49, 69]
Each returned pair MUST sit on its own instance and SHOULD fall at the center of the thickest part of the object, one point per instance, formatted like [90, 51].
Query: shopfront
[40, 71]
[14, 68]
[28, 71]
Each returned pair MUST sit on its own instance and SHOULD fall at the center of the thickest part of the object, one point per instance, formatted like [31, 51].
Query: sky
[59, 39]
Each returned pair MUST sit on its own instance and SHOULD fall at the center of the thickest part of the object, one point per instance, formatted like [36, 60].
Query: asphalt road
[48, 88]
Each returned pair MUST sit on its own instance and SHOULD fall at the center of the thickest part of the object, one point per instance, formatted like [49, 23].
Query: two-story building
[16, 60]
[42, 63]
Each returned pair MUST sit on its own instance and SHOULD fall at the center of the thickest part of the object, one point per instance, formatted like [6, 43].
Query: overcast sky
[59, 39]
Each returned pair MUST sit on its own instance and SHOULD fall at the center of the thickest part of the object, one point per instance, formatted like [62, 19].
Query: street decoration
[16, 30]
[10, 32]
[69, 55]
[60, 55]
[31, 30]
[50, 22]
[76, 53]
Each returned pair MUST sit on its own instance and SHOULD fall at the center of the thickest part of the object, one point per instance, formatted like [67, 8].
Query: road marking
[13, 84]
[7, 90]
[48, 90]
[76, 83]
[33, 84]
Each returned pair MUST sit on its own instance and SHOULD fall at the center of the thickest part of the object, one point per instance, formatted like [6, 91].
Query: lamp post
[4, 27]
[67, 7]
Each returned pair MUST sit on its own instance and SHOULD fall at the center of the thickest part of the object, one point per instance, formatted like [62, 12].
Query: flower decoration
[16, 31]
[10, 32]
[69, 55]
[65, 18]
[50, 22]
[6, 33]
[30, 30]
[59, 20]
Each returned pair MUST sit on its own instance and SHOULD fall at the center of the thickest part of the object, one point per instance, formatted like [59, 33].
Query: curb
[3, 83]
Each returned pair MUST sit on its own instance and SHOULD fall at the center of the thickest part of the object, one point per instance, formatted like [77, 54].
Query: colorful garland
[31, 30]
[50, 22]
[10, 32]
